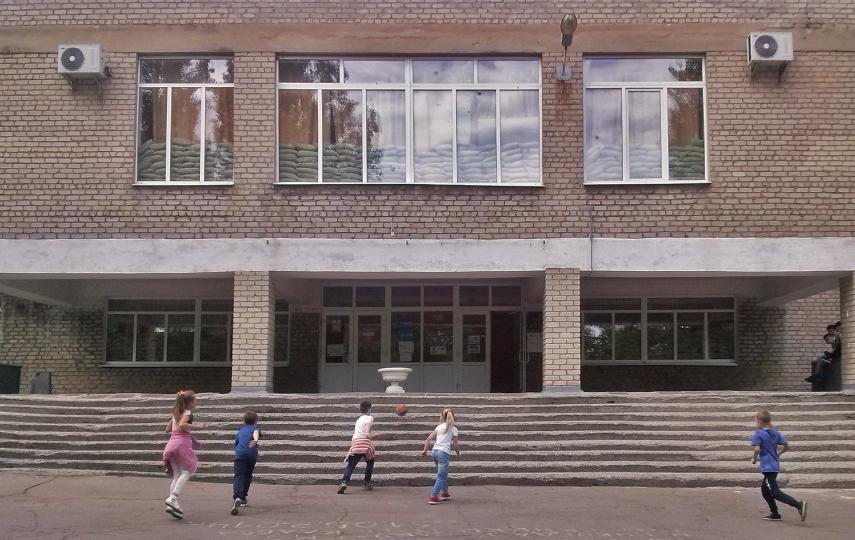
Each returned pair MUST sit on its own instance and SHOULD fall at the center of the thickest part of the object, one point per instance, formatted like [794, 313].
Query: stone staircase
[637, 439]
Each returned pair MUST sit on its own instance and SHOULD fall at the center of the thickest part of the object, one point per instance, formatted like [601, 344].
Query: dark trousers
[243, 477]
[351, 464]
[771, 492]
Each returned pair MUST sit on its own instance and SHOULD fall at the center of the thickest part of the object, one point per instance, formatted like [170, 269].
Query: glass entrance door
[337, 360]
[370, 346]
[475, 353]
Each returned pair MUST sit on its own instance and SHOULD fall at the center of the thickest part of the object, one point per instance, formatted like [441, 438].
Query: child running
[361, 446]
[179, 459]
[445, 436]
[765, 442]
[246, 454]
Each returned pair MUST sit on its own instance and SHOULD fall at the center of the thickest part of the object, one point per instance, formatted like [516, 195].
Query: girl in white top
[444, 438]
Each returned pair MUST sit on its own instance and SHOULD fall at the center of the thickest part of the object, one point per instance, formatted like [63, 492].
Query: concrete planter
[394, 376]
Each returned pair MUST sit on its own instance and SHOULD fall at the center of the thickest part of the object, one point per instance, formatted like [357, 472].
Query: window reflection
[387, 136]
[374, 71]
[686, 133]
[642, 69]
[520, 132]
[645, 134]
[342, 135]
[442, 71]
[603, 135]
[508, 71]
[476, 136]
[432, 136]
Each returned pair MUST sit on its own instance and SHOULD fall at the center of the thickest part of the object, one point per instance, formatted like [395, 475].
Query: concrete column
[847, 322]
[252, 333]
[562, 347]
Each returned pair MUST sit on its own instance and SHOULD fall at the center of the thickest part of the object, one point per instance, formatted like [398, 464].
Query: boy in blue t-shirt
[246, 454]
[765, 441]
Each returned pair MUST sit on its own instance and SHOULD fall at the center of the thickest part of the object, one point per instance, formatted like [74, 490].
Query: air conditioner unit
[770, 48]
[81, 62]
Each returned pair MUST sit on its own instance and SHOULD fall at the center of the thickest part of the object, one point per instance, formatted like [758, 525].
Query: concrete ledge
[251, 390]
[561, 389]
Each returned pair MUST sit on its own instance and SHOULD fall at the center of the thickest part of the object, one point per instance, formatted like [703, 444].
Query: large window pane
[645, 134]
[597, 336]
[722, 332]
[442, 71]
[433, 136]
[151, 154]
[298, 136]
[642, 69]
[686, 134]
[280, 338]
[474, 338]
[605, 304]
[151, 338]
[180, 337]
[439, 336]
[342, 135]
[520, 133]
[369, 330]
[689, 303]
[370, 296]
[690, 336]
[338, 296]
[603, 135]
[506, 295]
[627, 336]
[374, 71]
[508, 71]
[337, 339]
[214, 338]
[439, 295]
[219, 134]
[186, 70]
[151, 305]
[474, 295]
[308, 71]
[186, 134]
[406, 296]
[120, 338]
[660, 336]
[406, 336]
[476, 136]
[387, 136]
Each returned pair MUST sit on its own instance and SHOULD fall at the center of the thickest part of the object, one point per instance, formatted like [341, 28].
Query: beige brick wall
[252, 331]
[562, 349]
[847, 318]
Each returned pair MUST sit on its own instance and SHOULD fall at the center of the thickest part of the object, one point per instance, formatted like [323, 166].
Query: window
[185, 121]
[645, 120]
[659, 330]
[147, 332]
[401, 120]
[281, 332]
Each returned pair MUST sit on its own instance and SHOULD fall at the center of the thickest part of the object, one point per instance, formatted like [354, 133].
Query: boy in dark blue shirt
[765, 441]
[246, 454]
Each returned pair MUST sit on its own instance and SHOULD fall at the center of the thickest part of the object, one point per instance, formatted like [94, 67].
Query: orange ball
[401, 409]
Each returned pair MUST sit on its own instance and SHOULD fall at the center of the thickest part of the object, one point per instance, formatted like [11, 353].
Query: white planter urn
[394, 376]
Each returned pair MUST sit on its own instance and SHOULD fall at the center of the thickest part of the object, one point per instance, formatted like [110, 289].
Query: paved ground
[77, 507]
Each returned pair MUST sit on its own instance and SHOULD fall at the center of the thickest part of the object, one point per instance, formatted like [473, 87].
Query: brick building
[410, 184]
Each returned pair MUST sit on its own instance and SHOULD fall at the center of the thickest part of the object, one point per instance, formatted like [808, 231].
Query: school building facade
[287, 196]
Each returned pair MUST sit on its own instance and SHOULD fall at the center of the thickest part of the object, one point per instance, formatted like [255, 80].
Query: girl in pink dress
[179, 459]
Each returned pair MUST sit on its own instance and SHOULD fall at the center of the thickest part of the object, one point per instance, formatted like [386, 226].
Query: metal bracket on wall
[98, 82]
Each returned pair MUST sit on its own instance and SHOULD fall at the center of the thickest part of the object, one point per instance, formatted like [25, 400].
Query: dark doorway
[505, 349]
[534, 351]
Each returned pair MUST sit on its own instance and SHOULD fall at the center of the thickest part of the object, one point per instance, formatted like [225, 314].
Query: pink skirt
[179, 450]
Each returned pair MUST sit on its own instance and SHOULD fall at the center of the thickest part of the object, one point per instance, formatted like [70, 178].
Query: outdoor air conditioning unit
[81, 62]
[772, 49]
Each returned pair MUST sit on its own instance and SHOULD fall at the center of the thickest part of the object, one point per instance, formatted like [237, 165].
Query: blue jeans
[441, 459]
[351, 465]
[243, 477]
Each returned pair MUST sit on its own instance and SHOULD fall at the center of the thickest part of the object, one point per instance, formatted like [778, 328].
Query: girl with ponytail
[445, 438]
[179, 458]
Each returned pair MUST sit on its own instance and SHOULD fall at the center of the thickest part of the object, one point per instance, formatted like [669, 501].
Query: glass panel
[439, 336]
[722, 333]
[298, 136]
[370, 296]
[406, 296]
[151, 335]
[374, 71]
[308, 71]
[151, 305]
[627, 336]
[690, 336]
[476, 136]
[603, 135]
[406, 336]
[474, 295]
[342, 135]
[689, 303]
[507, 295]
[120, 338]
[439, 296]
[186, 134]
[338, 296]
[280, 338]
[474, 338]
[442, 71]
[432, 136]
[186, 70]
[611, 304]
[520, 133]
[387, 136]
[219, 134]
[337, 340]
[214, 338]
[281, 305]
[181, 338]
[642, 69]
[508, 71]
[217, 305]
[644, 122]
[660, 336]
[369, 330]
[597, 336]
[151, 154]
[686, 133]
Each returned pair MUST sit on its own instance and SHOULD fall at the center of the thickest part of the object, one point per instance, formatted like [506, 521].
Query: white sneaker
[172, 503]
[236, 507]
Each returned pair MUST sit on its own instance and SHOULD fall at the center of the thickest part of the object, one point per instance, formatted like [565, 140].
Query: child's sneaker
[368, 486]
[444, 496]
[243, 502]
[341, 488]
[772, 517]
[235, 507]
[433, 499]
[803, 510]
[172, 504]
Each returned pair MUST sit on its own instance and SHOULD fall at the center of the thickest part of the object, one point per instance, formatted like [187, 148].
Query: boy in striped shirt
[361, 446]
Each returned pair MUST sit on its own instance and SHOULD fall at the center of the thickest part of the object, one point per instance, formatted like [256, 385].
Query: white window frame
[408, 86]
[706, 361]
[169, 86]
[628, 86]
[197, 312]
